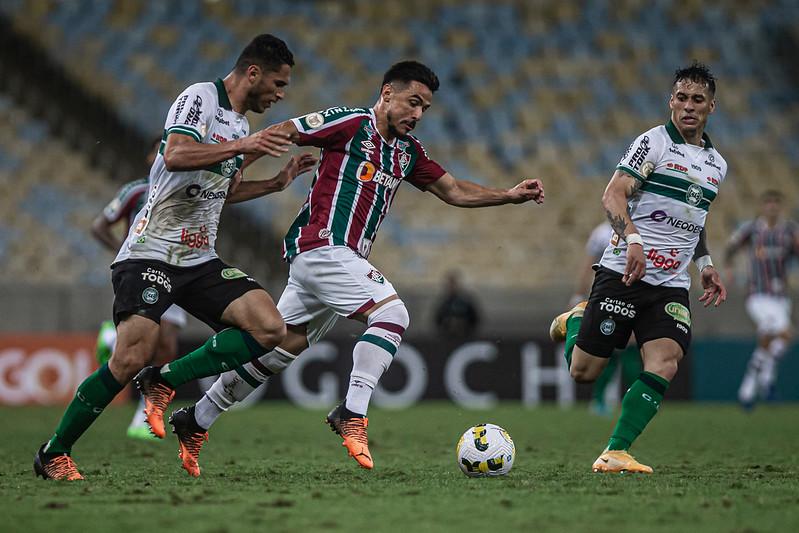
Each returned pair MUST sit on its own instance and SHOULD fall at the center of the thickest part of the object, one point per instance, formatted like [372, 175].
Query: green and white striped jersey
[178, 223]
[680, 181]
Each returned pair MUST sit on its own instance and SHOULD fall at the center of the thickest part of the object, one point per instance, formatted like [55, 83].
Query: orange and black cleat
[191, 438]
[353, 430]
[157, 394]
[55, 466]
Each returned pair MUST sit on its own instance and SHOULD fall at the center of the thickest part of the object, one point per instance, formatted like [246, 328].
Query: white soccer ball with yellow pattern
[485, 450]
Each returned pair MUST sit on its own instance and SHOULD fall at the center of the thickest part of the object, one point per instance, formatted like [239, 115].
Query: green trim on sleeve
[184, 130]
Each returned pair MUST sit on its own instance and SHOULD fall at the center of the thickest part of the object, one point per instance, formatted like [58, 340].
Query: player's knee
[666, 365]
[395, 313]
[126, 363]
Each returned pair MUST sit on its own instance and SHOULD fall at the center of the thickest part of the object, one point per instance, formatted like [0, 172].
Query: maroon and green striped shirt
[356, 182]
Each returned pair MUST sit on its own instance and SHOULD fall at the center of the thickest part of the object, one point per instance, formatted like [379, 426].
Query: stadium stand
[543, 89]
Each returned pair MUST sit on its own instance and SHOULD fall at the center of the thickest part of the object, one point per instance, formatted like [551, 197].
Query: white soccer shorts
[328, 282]
[771, 314]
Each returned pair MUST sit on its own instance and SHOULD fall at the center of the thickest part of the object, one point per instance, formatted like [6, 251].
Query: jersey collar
[676, 137]
[224, 101]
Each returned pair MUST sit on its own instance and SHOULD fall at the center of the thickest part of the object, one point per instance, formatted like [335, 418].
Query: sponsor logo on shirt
[180, 106]
[197, 240]
[677, 167]
[640, 154]
[676, 151]
[662, 216]
[367, 172]
[194, 191]
[232, 273]
[220, 117]
[193, 116]
[713, 181]
[662, 262]
[218, 138]
[696, 167]
[711, 161]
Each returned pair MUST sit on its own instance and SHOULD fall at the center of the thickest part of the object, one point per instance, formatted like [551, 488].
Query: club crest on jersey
[694, 194]
[228, 167]
[376, 276]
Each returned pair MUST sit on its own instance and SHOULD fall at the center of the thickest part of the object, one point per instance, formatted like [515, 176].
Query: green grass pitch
[278, 468]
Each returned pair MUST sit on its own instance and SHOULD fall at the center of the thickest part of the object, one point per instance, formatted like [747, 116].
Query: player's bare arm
[714, 290]
[621, 187]
[184, 153]
[247, 190]
[101, 230]
[462, 193]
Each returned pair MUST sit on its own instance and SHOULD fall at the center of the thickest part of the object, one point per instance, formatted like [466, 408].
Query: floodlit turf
[278, 468]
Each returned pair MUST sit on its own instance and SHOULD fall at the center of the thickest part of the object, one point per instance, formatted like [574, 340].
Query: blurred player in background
[629, 357]
[457, 315]
[657, 202]
[772, 241]
[366, 155]
[123, 209]
[169, 256]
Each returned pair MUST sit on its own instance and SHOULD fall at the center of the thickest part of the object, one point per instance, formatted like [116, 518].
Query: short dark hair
[266, 51]
[697, 73]
[408, 71]
[771, 195]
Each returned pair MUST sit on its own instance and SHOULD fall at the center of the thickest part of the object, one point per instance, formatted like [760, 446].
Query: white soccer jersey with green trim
[680, 181]
[178, 223]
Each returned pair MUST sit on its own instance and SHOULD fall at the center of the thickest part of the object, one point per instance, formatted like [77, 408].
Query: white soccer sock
[747, 392]
[139, 418]
[373, 353]
[235, 385]
[768, 369]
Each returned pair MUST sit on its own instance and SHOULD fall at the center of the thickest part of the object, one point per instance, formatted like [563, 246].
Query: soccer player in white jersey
[366, 154]
[628, 358]
[772, 241]
[122, 209]
[169, 257]
[657, 202]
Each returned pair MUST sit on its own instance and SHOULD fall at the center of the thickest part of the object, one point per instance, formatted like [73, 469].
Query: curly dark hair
[408, 71]
[697, 73]
[267, 51]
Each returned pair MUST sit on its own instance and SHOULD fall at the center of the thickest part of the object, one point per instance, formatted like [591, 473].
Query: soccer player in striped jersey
[122, 209]
[367, 153]
[771, 241]
[657, 202]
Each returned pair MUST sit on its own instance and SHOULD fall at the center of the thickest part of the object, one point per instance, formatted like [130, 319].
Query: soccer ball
[485, 450]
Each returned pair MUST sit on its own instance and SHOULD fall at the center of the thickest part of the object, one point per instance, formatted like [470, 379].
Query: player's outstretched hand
[527, 190]
[635, 268]
[295, 166]
[714, 288]
[272, 142]
[235, 181]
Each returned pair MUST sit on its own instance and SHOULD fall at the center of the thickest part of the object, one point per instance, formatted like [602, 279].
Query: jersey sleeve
[330, 128]
[192, 112]
[643, 155]
[123, 202]
[598, 241]
[742, 235]
[425, 170]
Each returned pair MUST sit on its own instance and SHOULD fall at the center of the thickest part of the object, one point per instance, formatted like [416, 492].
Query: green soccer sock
[572, 328]
[92, 396]
[601, 383]
[639, 406]
[228, 349]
